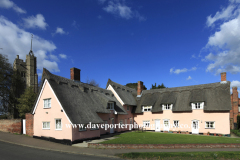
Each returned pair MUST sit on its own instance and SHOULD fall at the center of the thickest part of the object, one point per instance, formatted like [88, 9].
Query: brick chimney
[75, 74]
[235, 105]
[139, 88]
[223, 77]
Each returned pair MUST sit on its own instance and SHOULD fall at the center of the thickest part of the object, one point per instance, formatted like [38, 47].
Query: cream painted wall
[222, 123]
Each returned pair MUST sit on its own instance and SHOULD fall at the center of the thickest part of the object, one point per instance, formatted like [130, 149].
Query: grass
[182, 155]
[236, 132]
[167, 138]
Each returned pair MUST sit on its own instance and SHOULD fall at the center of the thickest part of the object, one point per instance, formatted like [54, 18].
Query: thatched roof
[127, 95]
[216, 97]
[81, 101]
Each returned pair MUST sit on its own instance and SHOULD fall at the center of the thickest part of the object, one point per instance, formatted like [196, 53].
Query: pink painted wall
[76, 134]
[52, 113]
[222, 123]
[117, 118]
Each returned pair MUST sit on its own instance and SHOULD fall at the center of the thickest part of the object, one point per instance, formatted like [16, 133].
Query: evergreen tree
[26, 101]
[158, 87]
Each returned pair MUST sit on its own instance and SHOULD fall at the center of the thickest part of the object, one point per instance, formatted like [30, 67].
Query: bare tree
[92, 82]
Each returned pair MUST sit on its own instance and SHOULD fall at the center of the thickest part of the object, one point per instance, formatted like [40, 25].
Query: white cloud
[16, 41]
[53, 57]
[189, 77]
[224, 46]
[178, 71]
[9, 4]
[35, 22]
[63, 56]
[59, 31]
[235, 84]
[118, 8]
[225, 14]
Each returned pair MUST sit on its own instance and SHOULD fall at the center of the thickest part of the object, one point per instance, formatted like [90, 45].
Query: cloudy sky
[174, 42]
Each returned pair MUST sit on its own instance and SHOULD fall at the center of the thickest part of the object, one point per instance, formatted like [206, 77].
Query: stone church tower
[28, 69]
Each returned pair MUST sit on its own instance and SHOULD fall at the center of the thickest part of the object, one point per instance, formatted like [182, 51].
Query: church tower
[28, 69]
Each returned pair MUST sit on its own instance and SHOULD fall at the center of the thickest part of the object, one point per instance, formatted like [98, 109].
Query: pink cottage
[69, 111]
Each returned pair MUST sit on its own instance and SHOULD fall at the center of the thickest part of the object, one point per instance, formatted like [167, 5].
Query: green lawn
[181, 155]
[167, 138]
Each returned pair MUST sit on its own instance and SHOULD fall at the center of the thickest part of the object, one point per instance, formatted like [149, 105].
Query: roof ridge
[132, 89]
[186, 88]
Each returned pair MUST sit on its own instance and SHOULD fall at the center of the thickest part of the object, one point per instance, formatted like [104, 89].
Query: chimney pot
[17, 56]
[223, 76]
[75, 74]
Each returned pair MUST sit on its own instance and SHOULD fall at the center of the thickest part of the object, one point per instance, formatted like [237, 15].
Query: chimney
[75, 74]
[139, 88]
[223, 77]
[17, 56]
[235, 105]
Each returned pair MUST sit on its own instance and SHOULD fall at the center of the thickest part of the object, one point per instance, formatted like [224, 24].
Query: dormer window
[197, 105]
[167, 106]
[111, 106]
[146, 108]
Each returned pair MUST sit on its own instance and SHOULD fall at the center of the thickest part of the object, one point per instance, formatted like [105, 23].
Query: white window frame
[146, 124]
[43, 125]
[177, 123]
[146, 108]
[197, 105]
[83, 129]
[207, 126]
[111, 106]
[96, 127]
[238, 108]
[58, 129]
[167, 106]
[48, 101]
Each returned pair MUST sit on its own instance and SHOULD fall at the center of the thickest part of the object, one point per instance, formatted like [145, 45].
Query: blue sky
[174, 42]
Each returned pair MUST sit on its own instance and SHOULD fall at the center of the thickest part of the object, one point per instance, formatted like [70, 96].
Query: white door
[130, 124]
[157, 125]
[24, 126]
[165, 125]
[112, 126]
[195, 127]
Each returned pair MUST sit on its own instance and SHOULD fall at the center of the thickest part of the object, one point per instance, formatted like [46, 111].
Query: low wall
[161, 146]
[11, 125]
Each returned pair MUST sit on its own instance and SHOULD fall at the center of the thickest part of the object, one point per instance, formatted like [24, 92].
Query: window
[58, 123]
[146, 124]
[238, 108]
[146, 108]
[95, 127]
[47, 103]
[46, 125]
[121, 122]
[209, 124]
[82, 127]
[128, 108]
[165, 123]
[111, 106]
[197, 105]
[167, 106]
[176, 123]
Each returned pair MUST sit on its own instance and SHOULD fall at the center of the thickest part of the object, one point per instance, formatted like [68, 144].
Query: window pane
[58, 124]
